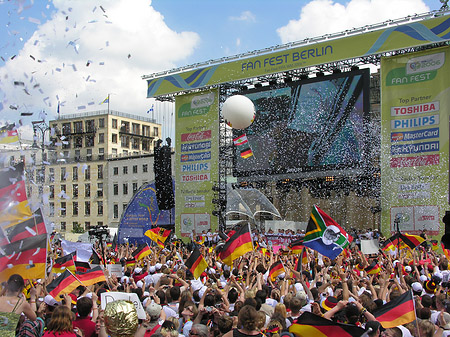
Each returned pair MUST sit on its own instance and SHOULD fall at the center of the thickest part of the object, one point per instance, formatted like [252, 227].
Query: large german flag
[158, 234]
[28, 228]
[14, 206]
[63, 263]
[237, 245]
[63, 284]
[196, 263]
[308, 324]
[141, 251]
[26, 257]
[92, 276]
[396, 312]
[130, 263]
[412, 241]
[82, 267]
[296, 246]
[8, 134]
[276, 269]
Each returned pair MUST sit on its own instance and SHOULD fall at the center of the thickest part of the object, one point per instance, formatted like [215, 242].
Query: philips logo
[425, 63]
[202, 101]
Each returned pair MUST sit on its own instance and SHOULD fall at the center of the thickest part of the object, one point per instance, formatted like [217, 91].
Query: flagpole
[108, 102]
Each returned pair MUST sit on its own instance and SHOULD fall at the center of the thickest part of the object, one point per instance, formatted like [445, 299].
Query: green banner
[196, 161]
[415, 94]
[324, 51]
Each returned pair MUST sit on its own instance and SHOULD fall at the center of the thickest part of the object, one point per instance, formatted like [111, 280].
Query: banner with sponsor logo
[302, 54]
[196, 161]
[415, 104]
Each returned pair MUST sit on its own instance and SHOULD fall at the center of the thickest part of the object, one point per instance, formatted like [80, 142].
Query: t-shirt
[86, 325]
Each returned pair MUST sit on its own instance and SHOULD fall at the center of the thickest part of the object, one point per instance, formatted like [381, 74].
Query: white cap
[202, 291]
[298, 287]
[49, 300]
[408, 269]
[423, 278]
[416, 286]
[438, 274]
[125, 279]
[139, 284]
[152, 269]
[158, 266]
[137, 270]
[196, 284]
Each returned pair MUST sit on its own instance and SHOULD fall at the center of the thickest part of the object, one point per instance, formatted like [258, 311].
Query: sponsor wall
[415, 141]
[196, 161]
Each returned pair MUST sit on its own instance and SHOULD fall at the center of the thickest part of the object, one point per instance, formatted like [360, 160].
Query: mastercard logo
[396, 137]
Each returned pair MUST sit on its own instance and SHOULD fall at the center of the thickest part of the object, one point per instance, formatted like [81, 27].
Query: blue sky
[76, 52]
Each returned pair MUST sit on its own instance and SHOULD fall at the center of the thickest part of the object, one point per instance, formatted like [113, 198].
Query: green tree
[78, 229]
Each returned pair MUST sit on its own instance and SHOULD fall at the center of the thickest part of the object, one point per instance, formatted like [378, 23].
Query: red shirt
[139, 277]
[86, 325]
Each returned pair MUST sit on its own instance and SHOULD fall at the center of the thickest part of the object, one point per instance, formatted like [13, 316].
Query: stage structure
[313, 119]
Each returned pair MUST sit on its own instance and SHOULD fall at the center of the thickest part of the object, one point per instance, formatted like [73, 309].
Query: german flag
[412, 241]
[396, 312]
[304, 256]
[446, 251]
[276, 269]
[92, 276]
[373, 268]
[63, 263]
[158, 234]
[309, 324]
[28, 228]
[63, 284]
[265, 252]
[434, 245]
[114, 243]
[96, 258]
[141, 251]
[246, 153]
[82, 267]
[26, 257]
[237, 245]
[13, 197]
[130, 263]
[8, 134]
[296, 246]
[196, 263]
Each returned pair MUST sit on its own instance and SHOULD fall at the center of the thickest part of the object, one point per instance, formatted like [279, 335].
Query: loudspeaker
[446, 237]
[163, 176]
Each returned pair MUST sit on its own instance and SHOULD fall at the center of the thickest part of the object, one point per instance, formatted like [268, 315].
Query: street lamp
[40, 128]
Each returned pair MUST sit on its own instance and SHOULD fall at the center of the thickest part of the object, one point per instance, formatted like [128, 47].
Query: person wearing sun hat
[329, 303]
[430, 287]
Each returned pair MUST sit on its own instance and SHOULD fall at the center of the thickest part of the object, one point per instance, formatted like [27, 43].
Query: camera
[99, 231]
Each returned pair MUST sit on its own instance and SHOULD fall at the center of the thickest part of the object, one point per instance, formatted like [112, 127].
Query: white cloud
[121, 45]
[245, 16]
[321, 17]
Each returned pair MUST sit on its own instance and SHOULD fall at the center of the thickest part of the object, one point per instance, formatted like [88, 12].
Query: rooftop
[105, 112]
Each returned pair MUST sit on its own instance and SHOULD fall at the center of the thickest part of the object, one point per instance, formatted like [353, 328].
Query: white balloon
[238, 111]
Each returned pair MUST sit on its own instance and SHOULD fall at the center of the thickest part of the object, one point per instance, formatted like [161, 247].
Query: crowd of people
[240, 300]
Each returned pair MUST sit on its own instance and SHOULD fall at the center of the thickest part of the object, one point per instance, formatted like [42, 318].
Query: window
[146, 130]
[135, 187]
[99, 207]
[125, 127]
[75, 173]
[63, 226]
[136, 143]
[136, 128]
[77, 155]
[101, 153]
[101, 122]
[100, 171]
[135, 153]
[99, 223]
[124, 207]
[89, 155]
[101, 138]
[78, 142]
[63, 174]
[52, 191]
[87, 208]
[87, 225]
[115, 171]
[114, 152]
[66, 129]
[89, 140]
[145, 145]
[87, 190]
[51, 209]
[125, 141]
[135, 168]
[87, 173]
[90, 125]
[63, 190]
[100, 190]
[51, 175]
[114, 138]
[114, 123]
[125, 153]
[75, 208]
[63, 209]
[155, 131]
[66, 154]
[78, 127]
[145, 168]
[116, 211]
[75, 190]
[116, 189]
[125, 170]
[125, 188]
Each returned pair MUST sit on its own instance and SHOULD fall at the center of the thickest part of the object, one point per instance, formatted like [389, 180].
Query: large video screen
[310, 125]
